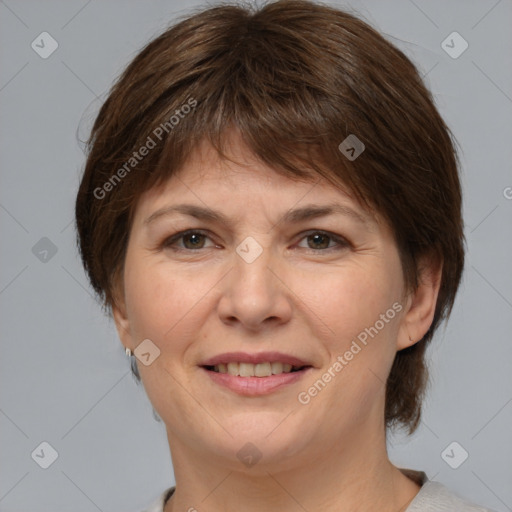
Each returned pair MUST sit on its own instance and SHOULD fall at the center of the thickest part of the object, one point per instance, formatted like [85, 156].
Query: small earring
[133, 363]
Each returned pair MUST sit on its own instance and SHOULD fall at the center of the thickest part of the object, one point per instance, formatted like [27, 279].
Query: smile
[254, 370]
[252, 385]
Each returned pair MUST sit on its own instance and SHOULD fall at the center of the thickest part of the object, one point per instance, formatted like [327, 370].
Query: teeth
[277, 368]
[253, 370]
[246, 370]
[233, 369]
[263, 370]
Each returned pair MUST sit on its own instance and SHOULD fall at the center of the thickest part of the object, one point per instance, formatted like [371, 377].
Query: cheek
[351, 306]
[349, 301]
[162, 302]
[154, 299]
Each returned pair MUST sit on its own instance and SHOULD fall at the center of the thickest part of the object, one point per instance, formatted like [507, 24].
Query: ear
[121, 318]
[421, 303]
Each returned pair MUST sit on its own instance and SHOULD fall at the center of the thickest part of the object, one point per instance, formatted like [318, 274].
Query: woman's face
[325, 292]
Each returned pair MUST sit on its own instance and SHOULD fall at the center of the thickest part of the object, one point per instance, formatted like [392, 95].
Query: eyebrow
[294, 216]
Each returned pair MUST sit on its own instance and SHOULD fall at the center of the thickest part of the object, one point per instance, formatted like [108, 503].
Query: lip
[256, 386]
[261, 357]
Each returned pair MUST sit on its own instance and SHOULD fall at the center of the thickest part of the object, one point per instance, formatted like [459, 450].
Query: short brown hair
[295, 78]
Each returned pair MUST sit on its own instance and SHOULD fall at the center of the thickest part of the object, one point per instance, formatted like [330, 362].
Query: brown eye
[196, 240]
[319, 241]
[191, 240]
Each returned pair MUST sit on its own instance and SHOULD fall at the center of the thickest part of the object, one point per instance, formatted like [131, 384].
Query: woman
[271, 211]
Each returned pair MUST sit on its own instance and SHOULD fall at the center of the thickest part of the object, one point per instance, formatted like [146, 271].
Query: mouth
[255, 374]
[260, 370]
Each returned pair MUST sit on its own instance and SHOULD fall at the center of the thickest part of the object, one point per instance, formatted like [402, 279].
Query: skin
[304, 296]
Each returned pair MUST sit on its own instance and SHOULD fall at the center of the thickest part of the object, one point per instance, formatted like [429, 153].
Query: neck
[349, 477]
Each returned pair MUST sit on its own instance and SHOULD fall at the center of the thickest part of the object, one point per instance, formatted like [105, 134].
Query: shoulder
[158, 504]
[432, 497]
[435, 497]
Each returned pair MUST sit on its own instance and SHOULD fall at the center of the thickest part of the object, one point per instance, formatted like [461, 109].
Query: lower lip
[255, 386]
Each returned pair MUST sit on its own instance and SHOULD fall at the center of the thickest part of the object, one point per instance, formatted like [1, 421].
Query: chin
[263, 437]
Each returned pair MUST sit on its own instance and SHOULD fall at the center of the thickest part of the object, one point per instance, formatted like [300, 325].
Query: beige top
[432, 497]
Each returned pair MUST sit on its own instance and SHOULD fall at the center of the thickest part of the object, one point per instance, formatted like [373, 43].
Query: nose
[254, 295]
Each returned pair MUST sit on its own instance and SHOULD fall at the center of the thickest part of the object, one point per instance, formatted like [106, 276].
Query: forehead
[241, 172]
[238, 183]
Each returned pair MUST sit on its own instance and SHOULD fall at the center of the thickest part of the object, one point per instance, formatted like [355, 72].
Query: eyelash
[169, 242]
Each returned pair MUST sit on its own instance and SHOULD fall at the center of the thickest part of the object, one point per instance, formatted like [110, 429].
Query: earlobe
[421, 303]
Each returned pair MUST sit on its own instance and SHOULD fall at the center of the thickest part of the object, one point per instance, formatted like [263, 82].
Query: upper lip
[261, 357]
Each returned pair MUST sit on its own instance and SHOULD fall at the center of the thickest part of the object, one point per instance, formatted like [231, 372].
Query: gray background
[64, 377]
